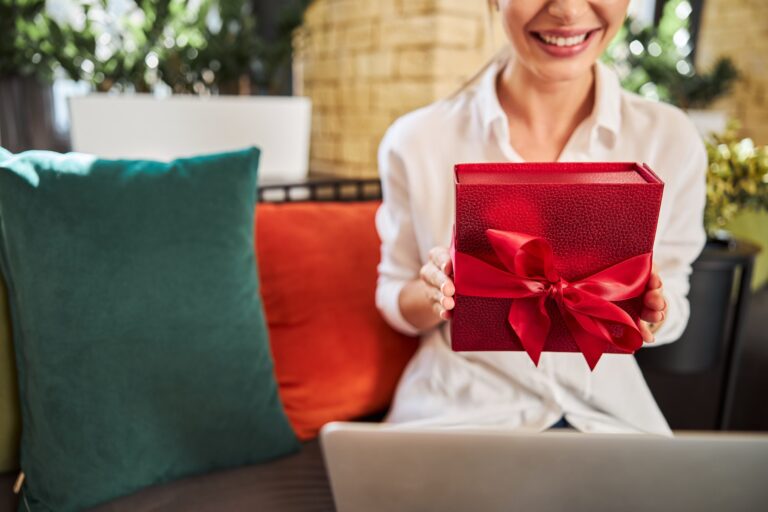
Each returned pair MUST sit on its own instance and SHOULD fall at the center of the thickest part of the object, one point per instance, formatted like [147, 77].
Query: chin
[563, 71]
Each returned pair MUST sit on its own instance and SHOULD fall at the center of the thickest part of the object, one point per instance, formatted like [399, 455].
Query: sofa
[353, 383]
[311, 219]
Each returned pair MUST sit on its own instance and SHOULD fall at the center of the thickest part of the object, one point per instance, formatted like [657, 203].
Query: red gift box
[552, 256]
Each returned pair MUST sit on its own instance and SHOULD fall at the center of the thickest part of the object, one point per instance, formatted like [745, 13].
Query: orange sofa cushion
[335, 357]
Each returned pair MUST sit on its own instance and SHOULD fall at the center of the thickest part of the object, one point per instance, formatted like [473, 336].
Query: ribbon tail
[594, 314]
[530, 321]
[585, 339]
[588, 318]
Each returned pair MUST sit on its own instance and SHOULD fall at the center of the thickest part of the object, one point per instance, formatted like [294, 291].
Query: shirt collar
[607, 110]
[488, 102]
[606, 114]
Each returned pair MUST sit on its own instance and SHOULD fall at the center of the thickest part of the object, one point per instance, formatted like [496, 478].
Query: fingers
[438, 297]
[442, 312]
[654, 281]
[654, 300]
[441, 304]
[652, 316]
[645, 331]
[442, 260]
[440, 288]
[448, 267]
[431, 275]
[654, 303]
[655, 306]
[437, 270]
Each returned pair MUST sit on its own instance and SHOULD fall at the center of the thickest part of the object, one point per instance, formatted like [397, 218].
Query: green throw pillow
[139, 331]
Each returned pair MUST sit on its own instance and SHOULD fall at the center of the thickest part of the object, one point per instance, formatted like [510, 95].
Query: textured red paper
[594, 215]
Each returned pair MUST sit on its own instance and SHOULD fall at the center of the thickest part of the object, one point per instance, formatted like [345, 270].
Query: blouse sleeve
[681, 242]
[400, 260]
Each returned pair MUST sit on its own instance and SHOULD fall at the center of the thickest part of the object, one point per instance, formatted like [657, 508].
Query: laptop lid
[380, 468]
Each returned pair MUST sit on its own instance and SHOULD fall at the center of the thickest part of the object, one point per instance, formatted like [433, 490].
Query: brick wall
[739, 29]
[366, 62]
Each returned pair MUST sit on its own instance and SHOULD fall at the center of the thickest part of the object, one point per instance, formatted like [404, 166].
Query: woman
[550, 101]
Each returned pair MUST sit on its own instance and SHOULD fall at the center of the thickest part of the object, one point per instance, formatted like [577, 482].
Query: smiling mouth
[562, 41]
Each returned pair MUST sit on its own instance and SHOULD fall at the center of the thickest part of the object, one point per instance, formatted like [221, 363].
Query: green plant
[278, 53]
[211, 49]
[192, 46]
[20, 38]
[107, 48]
[737, 178]
[654, 61]
[219, 50]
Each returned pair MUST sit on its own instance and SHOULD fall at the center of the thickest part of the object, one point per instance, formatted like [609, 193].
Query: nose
[567, 11]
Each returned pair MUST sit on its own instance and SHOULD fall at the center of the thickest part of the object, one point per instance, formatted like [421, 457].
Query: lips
[564, 43]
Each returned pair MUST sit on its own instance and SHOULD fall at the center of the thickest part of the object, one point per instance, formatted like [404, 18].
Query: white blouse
[416, 159]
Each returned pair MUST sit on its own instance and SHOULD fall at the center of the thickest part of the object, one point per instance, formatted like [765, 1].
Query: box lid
[565, 173]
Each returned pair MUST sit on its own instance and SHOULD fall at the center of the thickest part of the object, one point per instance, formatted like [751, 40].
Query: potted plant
[737, 179]
[737, 194]
[26, 118]
[205, 47]
[168, 48]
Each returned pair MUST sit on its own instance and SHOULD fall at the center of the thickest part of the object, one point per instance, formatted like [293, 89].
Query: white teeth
[563, 41]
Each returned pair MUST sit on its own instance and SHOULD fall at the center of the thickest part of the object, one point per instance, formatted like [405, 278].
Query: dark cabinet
[693, 379]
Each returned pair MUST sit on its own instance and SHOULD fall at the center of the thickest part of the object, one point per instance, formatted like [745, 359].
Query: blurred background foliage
[188, 46]
[216, 46]
[20, 39]
[737, 178]
[656, 61]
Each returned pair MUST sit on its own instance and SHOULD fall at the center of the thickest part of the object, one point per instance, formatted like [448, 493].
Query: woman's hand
[428, 300]
[654, 307]
[435, 274]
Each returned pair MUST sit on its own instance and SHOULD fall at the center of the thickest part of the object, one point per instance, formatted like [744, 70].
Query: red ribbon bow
[531, 278]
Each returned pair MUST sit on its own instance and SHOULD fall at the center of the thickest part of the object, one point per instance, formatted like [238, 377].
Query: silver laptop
[377, 468]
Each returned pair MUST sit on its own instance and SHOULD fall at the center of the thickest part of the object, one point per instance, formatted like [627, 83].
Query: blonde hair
[500, 57]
